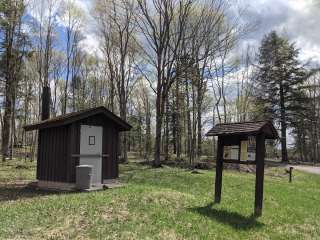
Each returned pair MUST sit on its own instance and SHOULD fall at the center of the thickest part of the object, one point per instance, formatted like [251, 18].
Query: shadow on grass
[233, 219]
[13, 193]
[22, 191]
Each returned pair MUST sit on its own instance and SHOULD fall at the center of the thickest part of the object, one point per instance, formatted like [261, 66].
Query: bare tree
[205, 39]
[13, 48]
[57, 67]
[161, 24]
[73, 18]
[245, 78]
[43, 31]
[117, 30]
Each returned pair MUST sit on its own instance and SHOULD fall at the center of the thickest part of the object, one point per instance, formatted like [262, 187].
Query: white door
[91, 150]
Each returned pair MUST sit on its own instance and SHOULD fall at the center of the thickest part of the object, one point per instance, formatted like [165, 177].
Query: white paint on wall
[91, 150]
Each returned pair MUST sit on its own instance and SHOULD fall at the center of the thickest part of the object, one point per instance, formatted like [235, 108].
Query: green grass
[17, 170]
[165, 203]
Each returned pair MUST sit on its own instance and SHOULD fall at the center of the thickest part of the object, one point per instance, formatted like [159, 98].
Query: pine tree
[278, 81]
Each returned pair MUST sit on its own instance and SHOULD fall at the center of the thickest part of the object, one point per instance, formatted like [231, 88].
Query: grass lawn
[165, 203]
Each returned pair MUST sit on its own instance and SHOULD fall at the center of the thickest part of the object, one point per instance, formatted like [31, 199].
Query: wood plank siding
[52, 162]
[58, 144]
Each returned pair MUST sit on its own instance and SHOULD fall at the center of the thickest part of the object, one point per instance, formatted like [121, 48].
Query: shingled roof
[244, 128]
[76, 116]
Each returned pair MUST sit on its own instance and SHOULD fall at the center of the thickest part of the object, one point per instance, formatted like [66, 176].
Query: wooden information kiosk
[243, 143]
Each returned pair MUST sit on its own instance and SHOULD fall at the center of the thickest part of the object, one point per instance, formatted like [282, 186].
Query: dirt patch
[23, 167]
[16, 184]
[278, 172]
[116, 212]
[183, 164]
[167, 197]
[71, 227]
[309, 169]
[303, 231]
[170, 235]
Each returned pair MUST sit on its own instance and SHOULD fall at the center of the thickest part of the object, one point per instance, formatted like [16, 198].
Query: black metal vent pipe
[46, 99]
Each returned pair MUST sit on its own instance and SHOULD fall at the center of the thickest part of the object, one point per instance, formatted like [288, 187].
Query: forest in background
[171, 68]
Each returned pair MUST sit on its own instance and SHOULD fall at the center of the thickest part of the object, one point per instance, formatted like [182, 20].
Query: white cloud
[90, 44]
[300, 5]
[296, 19]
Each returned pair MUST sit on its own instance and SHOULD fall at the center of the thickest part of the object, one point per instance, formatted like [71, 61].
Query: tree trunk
[178, 121]
[200, 93]
[174, 130]
[199, 119]
[189, 133]
[9, 89]
[111, 98]
[140, 131]
[166, 146]
[13, 125]
[284, 153]
[300, 146]
[123, 136]
[148, 129]
[6, 131]
[193, 147]
[65, 100]
[157, 153]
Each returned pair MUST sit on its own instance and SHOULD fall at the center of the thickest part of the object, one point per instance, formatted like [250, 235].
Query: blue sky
[297, 20]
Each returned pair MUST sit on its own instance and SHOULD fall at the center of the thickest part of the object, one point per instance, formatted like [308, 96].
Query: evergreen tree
[279, 78]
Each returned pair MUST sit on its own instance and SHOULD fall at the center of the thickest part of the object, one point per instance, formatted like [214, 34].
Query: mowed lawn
[164, 203]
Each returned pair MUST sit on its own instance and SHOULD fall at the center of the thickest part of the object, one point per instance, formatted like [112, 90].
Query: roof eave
[122, 127]
[274, 132]
[232, 134]
[126, 128]
[28, 128]
[121, 124]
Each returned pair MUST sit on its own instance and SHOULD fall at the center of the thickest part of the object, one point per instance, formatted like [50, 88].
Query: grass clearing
[14, 170]
[164, 203]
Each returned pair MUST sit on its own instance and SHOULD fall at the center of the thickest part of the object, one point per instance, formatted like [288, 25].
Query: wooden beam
[260, 154]
[219, 167]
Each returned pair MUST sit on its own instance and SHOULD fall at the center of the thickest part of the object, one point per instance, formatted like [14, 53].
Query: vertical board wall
[57, 144]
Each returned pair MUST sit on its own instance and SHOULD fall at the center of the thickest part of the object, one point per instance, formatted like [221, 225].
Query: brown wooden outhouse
[243, 143]
[88, 137]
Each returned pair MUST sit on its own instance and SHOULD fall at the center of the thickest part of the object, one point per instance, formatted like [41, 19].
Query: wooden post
[260, 153]
[290, 174]
[219, 167]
